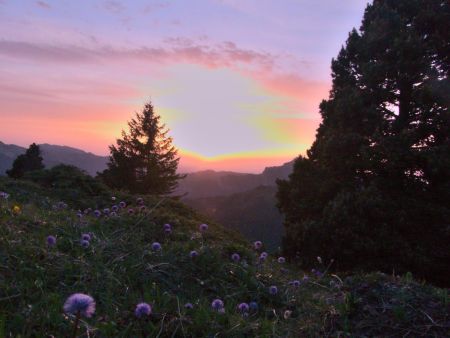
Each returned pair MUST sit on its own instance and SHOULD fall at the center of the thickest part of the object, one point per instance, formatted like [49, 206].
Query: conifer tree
[30, 161]
[144, 159]
[373, 191]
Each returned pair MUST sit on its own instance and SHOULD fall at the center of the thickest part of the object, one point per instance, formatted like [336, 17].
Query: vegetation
[44, 259]
[373, 191]
[144, 160]
[31, 160]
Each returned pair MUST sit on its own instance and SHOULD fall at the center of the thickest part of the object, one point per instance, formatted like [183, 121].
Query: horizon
[77, 80]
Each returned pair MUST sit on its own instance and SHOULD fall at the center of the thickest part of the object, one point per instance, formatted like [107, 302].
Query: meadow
[70, 235]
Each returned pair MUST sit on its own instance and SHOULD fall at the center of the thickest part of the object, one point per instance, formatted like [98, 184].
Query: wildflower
[188, 306]
[16, 210]
[203, 227]
[156, 246]
[193, 254]
[217, 304]
[113, 198]
[305, 278]
[140, 200]
[115, 208]
[295, 283]
[263, 256]
[113, 214]
[167, 228]
[273, 290]
[106, 211]
[243, 307]
[143, 309]
[79, 214]
[253, 306]
[122, 204]
[281, 260]
[85, 243]
[81, 304]
[51, 240]
[257, 245]
[142, 208]
[235, 257]
[86, 237]
[97, 213]
[287, 314]
[130, 211]
[4, 195]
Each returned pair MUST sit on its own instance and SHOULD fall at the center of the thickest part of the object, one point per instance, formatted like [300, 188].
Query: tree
[31, 160]
[373, 191]
[144, 159]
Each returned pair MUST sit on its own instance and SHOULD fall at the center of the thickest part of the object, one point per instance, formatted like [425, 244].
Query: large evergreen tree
[144, 159]
[31, 160]
[373, 191]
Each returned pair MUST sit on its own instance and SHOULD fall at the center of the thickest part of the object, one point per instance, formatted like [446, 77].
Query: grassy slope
[120, 270]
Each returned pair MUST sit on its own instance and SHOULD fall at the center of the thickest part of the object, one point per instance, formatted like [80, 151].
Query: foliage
[31, 160]
[144, 159]
[120, 270]
[373, 191]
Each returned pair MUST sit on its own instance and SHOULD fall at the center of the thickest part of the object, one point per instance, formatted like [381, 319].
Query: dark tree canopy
[373, 191]
[144, 159]
[31, 160]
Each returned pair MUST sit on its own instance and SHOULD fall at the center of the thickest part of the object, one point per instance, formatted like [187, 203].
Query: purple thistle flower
[97, 213]
[130, 211]
[203, 227]
[193, 254]
[51, 240]
[263, 256]
[156, 246]
[257, 245]
[115, 208]
[235, 257]
[295, 283]
[243, 307]
[122, 204]
[106, 211]
[143, 309]
[281, 260]
[273, 290]
[167, 226]
[217, 304]
[79, 303]
[188, 306]
[168, 231]
[253, 306]
[113, 214]
[84, 243]
[86, 237]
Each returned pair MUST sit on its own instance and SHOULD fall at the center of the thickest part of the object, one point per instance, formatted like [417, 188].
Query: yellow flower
[16, 209]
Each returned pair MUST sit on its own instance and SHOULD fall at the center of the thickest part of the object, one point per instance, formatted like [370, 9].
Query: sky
[237, 82]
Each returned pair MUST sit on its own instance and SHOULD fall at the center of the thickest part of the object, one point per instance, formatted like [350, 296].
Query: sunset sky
[238, 82]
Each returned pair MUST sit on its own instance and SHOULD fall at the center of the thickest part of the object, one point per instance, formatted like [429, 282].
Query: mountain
[54, 155]
[211, 183]
[253, 213]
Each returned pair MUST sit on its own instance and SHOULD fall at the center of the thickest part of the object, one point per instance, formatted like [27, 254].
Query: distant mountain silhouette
[253, 213]
[211, 183]
[54, 155]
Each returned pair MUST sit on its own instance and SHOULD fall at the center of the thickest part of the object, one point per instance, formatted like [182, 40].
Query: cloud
[226, 54]
[43, 4]
[114, 7]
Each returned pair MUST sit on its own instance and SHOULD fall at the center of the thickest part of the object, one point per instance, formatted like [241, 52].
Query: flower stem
[75, 330]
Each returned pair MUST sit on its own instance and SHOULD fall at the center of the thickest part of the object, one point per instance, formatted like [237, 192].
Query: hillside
[211, 183]
[54, 155]
[119, 267]
[253, 213]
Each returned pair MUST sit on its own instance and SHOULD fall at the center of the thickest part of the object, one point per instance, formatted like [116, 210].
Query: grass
[119, 270]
